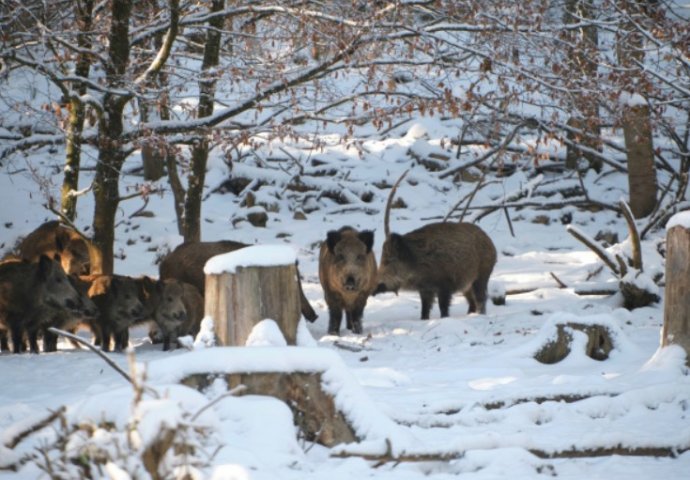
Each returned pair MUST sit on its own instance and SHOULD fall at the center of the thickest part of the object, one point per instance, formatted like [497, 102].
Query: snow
[254, 256]
[680, 219]
[466, 386]
[632, 99]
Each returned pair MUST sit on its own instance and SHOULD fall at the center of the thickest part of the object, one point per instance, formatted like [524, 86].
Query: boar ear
[61, 240]
[114, 285]
[401, 247]
[367, 238]
[332, 238]
[45, 266]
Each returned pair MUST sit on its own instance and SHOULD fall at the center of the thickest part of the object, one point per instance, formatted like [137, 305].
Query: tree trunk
[207, 89]
[77, 112]
[582, 64]
[637, 130]
[153, 159]
[635, 119]
[238, 301]
[110, 154]
[106, 199]
[676, 328]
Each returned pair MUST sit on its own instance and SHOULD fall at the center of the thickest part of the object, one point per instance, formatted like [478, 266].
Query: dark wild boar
[186, 263]
[118, 299]
[176, 308]
[347, 272]
[437, 260]
[31, 294]
[53, 238]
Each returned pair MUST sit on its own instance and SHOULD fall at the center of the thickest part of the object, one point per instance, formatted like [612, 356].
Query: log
[599, 343]
[676, 327]
[249, 285]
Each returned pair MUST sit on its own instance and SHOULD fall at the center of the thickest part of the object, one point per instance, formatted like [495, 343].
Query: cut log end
[599, 343]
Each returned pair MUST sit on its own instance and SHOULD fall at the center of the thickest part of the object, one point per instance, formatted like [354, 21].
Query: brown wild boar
[347, 272]
[30, 293]
[53, 238]
[186, 263]
[437, 260]
[176, 308]
[118, 299]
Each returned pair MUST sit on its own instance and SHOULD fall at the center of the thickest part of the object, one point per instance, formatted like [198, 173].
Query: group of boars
[48, 284]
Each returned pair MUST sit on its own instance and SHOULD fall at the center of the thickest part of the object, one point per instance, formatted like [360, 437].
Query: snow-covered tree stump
[676, 328]
[249, 285]
[314, 410]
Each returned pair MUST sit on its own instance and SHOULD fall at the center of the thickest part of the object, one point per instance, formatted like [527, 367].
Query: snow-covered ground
[466, 387]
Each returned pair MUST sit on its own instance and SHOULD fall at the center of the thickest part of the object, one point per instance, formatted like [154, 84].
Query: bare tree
[512, 83]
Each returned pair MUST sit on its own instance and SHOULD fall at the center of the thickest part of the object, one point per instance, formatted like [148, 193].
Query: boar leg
[4, 341]
[444, 297]
[166, 337]
[121, 340]
[471, 300]
[105, 339]
[17, 333]
[354, 319]
[49, 341]
[479, 289]
[33, 341]
[335, 319]
[427, 297]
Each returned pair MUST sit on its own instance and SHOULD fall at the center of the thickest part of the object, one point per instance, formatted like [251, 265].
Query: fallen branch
[593, 246]
[621, 450]
[388, 457]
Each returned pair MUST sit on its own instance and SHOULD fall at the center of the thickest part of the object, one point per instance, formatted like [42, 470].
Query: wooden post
[249, 285]
[676, 328]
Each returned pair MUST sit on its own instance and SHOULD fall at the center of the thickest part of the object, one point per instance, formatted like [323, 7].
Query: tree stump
[314, 411]
[676, 328]
[249, 285]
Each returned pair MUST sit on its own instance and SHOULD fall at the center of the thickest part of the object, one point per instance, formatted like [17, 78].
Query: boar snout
[350, 283]
[383, 288]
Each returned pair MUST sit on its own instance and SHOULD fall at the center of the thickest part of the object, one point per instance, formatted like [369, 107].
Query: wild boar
[53, 238]
[118, 299]
[176, 308]
[437, 260]
[186, 263]
[347, 272]
[30, 293]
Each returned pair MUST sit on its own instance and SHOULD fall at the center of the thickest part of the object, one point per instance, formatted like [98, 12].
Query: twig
[501, 146]
[34, 427]
[634, 236]
[558, 281]
[510, 223]
[94, 349]
[345, 346]
[231, 393]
